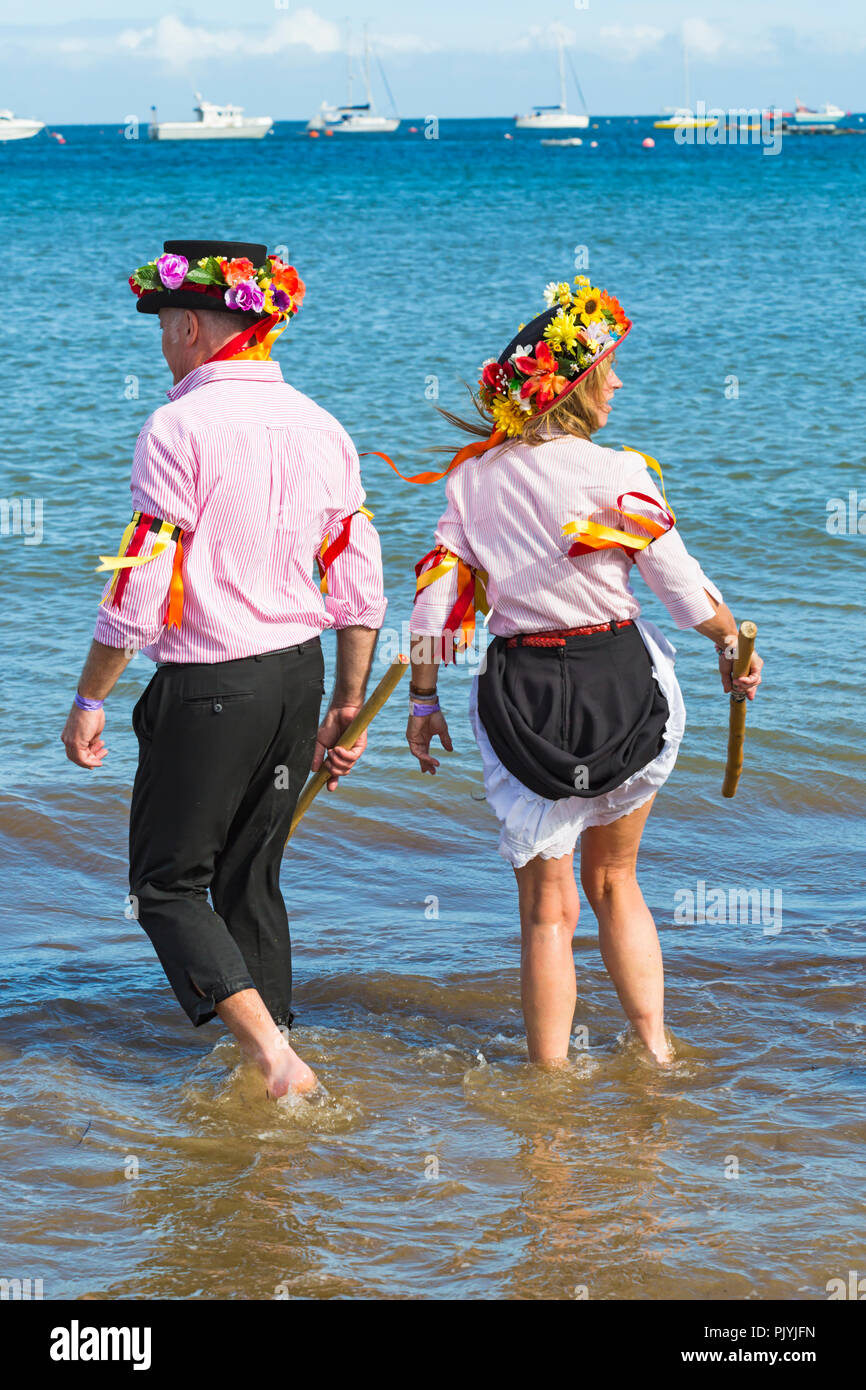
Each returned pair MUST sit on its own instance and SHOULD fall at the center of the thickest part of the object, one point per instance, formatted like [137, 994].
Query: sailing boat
[359, 119]
[555, 117]
[682, 117]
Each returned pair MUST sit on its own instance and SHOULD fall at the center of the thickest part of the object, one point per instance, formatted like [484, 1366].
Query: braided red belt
[557, 639]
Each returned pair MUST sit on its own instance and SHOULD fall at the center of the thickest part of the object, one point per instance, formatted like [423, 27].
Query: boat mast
[686, 73]
[367, 68]
[562, 104]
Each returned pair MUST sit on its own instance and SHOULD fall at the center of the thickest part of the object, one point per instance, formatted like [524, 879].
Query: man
[237, 485]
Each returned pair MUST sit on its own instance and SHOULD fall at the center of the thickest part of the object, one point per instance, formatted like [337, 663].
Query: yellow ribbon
[654, 464]
[128, 562]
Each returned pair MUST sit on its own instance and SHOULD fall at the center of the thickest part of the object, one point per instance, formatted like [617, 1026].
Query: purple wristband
[420, 709]
[83, 703]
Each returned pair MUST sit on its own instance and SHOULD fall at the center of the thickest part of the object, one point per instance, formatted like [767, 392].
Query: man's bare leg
[260, 1039]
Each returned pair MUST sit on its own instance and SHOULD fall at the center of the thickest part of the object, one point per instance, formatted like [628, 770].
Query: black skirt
[575, 720]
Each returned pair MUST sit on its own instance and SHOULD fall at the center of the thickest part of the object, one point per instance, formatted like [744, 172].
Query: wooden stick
[737, 721]
[386, 687]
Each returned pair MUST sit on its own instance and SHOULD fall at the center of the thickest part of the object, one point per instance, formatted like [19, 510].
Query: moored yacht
[17, 127]
[212, 123]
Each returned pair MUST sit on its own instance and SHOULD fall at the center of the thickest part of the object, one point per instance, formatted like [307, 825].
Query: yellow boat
[684, 122]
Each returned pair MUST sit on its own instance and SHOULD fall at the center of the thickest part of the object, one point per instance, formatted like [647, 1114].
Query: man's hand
[81, 737]
[340, 760]
[420, 731]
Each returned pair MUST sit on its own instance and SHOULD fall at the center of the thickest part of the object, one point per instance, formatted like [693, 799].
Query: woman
[577, 712]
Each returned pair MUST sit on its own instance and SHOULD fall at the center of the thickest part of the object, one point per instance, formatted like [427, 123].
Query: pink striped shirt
[505, 515]
[256, 475]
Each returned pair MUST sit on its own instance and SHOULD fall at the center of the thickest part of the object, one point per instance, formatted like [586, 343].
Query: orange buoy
[649, 143]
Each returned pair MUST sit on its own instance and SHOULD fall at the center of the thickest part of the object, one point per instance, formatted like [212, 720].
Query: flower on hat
[274, 287]
[557, 292]
[587, 305]
[246, 296]
[172, 270]
[563, 333]
[586, 325]
[494, 375]
[507, 416]
[237, 270]
[542, 378]
[597, 336]
[613, 308]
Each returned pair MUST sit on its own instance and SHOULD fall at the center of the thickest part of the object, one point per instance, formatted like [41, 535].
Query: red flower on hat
[495, 377]
[543, 381]
[136, 289]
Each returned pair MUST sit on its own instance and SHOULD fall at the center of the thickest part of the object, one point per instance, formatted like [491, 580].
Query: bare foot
[661, 1051]
[284, 1071]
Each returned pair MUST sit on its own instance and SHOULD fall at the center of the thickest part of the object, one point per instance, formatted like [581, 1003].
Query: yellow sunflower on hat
[587, 305]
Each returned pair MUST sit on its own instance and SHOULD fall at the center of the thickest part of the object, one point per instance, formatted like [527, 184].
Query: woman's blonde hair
[577, 414]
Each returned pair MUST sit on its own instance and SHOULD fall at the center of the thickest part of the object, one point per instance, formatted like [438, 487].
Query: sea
[141, 1158]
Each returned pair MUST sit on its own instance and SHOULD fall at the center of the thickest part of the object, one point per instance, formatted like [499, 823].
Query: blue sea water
[744, 376]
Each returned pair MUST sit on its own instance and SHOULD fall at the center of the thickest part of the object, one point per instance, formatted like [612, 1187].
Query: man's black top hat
[195, 251]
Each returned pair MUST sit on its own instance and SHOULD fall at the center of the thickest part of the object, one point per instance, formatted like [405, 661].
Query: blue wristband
[83, 703]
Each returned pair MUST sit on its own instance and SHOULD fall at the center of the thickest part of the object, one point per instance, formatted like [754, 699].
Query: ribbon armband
[471, 592]
[331, 549]
[140, 527]
[591, 535]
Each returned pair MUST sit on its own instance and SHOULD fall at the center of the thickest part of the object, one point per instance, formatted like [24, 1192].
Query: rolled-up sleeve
[356, 587]
[667, 567]
[163, 487]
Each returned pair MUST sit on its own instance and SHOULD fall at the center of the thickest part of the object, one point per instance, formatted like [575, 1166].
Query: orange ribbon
[468, 451]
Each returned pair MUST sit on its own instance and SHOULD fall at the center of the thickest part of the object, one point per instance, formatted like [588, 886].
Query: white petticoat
[534, 826]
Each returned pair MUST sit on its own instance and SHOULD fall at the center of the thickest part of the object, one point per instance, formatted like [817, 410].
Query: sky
[103, 60]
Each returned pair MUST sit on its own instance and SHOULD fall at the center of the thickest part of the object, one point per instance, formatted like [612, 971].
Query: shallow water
[140, 1159]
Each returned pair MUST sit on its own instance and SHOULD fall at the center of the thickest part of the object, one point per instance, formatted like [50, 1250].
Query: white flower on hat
[523, 402]
[597, 337]
[551, 294]
[519, 351]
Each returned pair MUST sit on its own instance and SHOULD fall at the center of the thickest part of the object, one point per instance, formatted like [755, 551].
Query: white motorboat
[555, 117]
[17, 128]
[358, 118]
[213, 123]
[826, 115]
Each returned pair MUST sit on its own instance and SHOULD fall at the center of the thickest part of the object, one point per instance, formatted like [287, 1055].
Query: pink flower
[246, 296]
[172, 271]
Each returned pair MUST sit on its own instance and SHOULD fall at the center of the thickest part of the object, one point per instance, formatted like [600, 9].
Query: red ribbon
[133, 548]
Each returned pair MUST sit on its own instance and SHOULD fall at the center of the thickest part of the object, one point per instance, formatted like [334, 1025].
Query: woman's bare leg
[626, 931]
[549, 908]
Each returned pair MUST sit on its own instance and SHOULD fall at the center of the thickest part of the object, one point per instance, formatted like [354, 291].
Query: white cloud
[702, 39]
[629, 43]
[178, 45]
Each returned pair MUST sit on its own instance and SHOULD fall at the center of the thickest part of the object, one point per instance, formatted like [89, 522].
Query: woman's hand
[748, 683]
[420, 731]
